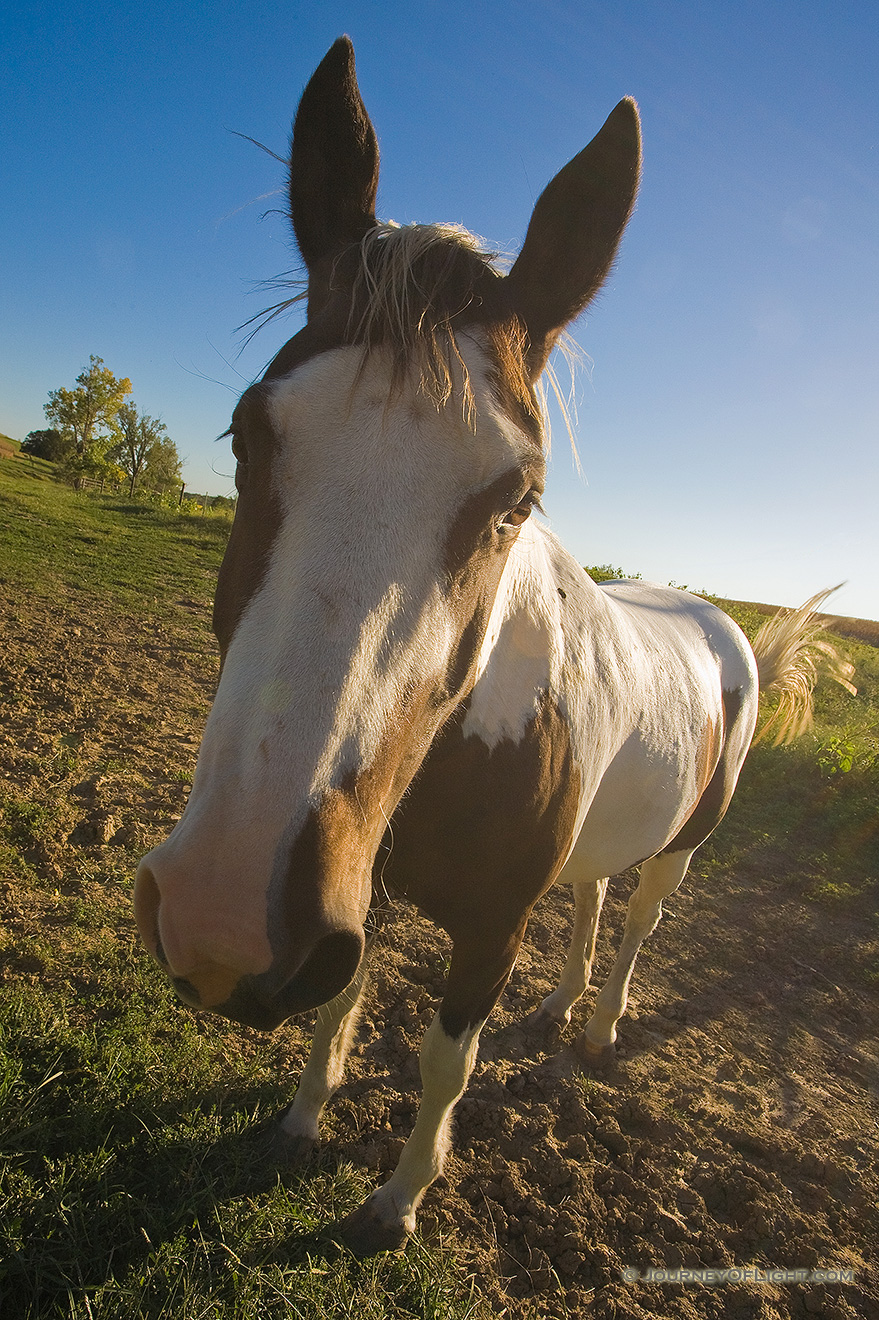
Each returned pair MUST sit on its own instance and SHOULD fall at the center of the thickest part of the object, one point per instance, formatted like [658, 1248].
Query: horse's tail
[790, 657]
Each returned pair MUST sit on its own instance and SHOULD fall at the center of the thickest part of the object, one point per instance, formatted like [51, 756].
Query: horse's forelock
[415, 288]
[412, 291]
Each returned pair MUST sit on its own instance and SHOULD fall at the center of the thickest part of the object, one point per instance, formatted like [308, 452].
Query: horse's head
[388, 462]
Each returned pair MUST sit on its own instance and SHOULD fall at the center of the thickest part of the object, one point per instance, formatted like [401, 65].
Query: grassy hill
[12, 460]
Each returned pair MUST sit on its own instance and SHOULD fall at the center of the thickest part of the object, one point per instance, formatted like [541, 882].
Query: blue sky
[728, 426]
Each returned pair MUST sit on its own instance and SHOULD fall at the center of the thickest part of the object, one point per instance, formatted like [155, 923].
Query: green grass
[136, 1183]
[56, 541]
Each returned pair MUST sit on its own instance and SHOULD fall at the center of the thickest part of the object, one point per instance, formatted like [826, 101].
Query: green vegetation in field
[137, 1178]
[58, 541]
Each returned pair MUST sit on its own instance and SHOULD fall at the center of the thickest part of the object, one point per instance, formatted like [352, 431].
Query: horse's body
[408, 656]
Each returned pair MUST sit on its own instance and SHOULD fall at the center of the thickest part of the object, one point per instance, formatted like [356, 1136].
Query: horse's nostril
[327, 971]
[187, 991]
[330, 967]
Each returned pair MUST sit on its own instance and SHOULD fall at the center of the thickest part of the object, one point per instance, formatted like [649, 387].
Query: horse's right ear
[575, 232]
[333, 162]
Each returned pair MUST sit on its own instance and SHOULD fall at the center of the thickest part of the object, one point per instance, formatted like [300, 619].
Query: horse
[421, 692]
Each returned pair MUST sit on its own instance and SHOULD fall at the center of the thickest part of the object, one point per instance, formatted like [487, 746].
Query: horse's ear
[333, 161]
[574, 233]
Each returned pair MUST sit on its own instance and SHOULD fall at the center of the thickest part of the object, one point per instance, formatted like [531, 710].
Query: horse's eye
[522, 511]
[239, 449]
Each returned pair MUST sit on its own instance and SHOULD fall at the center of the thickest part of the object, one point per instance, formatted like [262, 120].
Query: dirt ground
[737, 1128]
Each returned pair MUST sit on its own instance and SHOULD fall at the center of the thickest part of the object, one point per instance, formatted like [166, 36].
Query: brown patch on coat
[482, 833]
[708, 753]
[717, 795]
[257, 516]
[473, 533]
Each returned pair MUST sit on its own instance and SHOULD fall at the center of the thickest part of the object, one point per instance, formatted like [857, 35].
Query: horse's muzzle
[327, 971]
[308, 964]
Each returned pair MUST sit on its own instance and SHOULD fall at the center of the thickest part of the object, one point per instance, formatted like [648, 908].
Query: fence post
[182, 489]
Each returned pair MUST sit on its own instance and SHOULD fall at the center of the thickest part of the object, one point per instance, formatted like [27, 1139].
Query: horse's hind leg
[556, 1008]
[299, 1132]
[660, 876]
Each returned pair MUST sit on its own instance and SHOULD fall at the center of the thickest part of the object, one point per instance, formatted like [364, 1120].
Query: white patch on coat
[639, 673]
[524, 647]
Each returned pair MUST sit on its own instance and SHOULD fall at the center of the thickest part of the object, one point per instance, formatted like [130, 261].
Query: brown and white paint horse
[406, 652]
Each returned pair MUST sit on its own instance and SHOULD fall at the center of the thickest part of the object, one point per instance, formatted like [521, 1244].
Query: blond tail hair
[790, 658]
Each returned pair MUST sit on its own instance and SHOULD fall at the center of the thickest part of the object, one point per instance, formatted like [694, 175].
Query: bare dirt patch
[737, 1128]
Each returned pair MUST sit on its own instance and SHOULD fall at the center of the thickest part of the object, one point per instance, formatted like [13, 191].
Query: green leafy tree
[164, 466]
[607, 573]
[144, 448]
[49, 444]
[87, 415]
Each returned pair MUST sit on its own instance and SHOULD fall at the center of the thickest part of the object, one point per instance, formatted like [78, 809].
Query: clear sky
[728, 426]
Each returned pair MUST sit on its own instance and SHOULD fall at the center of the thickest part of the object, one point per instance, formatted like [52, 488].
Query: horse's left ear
[333, 163]
[575, 232]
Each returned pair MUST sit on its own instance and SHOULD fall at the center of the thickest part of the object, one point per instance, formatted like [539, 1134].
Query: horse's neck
[524, 653]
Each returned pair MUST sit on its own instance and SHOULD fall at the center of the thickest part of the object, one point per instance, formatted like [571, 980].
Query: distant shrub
[49, 444]
[208, 504]
[607, 573]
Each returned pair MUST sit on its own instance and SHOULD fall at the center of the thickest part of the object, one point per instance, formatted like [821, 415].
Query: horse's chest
[484, 830]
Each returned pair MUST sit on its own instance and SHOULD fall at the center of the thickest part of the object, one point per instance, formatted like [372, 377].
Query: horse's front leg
[298, 1132]
[479, 971]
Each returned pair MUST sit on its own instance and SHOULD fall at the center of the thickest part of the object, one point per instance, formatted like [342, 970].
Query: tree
[137, 434]
[144, 447]
[86, 416]
[164, 464]
[49, 444]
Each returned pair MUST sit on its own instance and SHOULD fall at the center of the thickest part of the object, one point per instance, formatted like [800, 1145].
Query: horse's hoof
[541, 1022]
[594, 1057]
[291, 1151]
[366, 1234]
[541, 1019]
